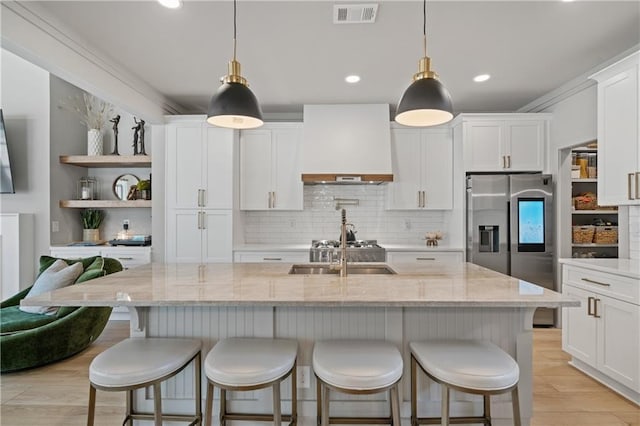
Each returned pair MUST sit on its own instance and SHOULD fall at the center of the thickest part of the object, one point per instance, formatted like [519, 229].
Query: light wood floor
[57, 394]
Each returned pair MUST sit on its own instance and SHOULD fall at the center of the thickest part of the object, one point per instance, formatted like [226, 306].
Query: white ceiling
[292, 53]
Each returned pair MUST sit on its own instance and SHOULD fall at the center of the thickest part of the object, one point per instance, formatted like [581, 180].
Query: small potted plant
[144, 189]
[91, 221]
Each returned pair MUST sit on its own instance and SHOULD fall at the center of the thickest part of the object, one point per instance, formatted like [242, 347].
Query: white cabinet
[603, 334]
[423, 256]
[199, 165]
[199, 236]
[129, 257]
[503, 142]
[271, 256]
[270, 167]
[199, 191]
[618, 132]
[422, 163]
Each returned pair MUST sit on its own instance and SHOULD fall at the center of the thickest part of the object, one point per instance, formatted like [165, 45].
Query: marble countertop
[438, 284]
[420, 247]
[625, 267]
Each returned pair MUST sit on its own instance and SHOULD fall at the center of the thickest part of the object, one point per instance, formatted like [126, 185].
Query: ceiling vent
[355, 13]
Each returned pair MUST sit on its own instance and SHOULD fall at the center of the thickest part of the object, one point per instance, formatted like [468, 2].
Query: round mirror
[122, 187]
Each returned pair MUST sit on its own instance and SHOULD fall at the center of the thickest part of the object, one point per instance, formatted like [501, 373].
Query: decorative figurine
[115, 120]
[141, 124]
[136, 130]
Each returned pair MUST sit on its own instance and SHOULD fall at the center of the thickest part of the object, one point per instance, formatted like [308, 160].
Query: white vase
[94, 142]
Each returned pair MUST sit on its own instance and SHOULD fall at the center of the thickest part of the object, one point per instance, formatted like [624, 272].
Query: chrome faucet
[342, 266]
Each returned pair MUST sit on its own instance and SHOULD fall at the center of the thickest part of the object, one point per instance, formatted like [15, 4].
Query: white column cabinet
[603, 334]
[199, 191]
[422, 163]
[270, 167]
[619, 132]
[503, 142]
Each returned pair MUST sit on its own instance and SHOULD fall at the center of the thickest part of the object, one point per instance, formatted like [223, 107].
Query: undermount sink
[309, 269]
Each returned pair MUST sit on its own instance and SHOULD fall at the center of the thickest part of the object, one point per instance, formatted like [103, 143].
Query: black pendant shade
[234, 106]
[426, 102]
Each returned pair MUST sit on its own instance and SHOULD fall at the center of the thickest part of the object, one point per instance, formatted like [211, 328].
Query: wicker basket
[583, 234]
[605, 235]
[587, 201]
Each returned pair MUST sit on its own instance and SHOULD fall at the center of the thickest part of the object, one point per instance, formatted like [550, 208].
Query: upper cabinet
[270, 167]
[422, 163]
[199, 165]
[503, 142]
[618, 133]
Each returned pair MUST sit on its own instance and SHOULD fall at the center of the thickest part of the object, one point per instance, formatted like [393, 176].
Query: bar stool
[138, 363]
[244, 364]
[470, 366]
[357, 367]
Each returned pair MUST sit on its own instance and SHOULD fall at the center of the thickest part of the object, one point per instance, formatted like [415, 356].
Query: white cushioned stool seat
[250, 361]
[356, 367]
[141, 360]
[357, 364]
[469, 364]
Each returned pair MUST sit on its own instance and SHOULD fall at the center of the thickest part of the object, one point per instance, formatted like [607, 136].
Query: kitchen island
[214, 301]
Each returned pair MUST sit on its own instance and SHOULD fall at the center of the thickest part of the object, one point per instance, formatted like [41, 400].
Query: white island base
[508, 327]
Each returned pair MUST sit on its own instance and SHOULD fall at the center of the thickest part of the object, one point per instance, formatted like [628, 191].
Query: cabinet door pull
[629, 185]
[200, 201]
[637, 185]
[273, 203]
[589, 301]
[425, 258]
[424, 199]
[504, 162]
[595, 308]
[272, 258]
[596, 282]
[508, 161]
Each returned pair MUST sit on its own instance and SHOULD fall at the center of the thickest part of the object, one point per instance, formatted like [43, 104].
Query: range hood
[346, 144]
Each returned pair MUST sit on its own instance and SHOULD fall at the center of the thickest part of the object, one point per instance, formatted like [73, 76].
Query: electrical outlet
[304, 377]
[55, 226]
[125, 222]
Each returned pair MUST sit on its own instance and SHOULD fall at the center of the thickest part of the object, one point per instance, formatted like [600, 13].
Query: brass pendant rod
[424, 25]
[234, 30]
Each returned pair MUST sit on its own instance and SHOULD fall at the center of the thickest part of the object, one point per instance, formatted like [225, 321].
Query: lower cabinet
[271, 256]
[604, 332]
[199, 236]
[423, 256]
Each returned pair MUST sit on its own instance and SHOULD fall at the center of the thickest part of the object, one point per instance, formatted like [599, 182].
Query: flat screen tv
[6, 177]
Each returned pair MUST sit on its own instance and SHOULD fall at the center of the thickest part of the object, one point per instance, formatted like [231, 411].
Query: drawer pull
[596, 282]
[589, 300]
[125, 258]
[595, 308]
[425, 258]
[271, 258]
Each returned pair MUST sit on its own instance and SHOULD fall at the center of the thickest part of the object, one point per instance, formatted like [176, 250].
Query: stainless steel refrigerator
[510, 228]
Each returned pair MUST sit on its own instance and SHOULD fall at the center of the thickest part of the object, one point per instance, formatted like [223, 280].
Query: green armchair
[31, 340]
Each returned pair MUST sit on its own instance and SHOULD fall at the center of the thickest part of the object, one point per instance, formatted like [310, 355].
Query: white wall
[24, 96]
[320, 219]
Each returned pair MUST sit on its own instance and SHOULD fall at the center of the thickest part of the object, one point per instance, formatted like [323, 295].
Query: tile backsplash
[321, 220]
[634, 232]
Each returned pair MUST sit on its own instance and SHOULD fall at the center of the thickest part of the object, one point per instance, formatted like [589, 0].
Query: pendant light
[234, 105]
[426, 102]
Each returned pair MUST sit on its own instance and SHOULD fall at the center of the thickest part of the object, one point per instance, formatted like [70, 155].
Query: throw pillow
[56, 276]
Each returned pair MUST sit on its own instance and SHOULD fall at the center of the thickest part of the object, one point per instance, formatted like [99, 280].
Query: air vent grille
[355, 13]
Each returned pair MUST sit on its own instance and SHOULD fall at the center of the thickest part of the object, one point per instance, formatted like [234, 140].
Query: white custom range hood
[346, 144]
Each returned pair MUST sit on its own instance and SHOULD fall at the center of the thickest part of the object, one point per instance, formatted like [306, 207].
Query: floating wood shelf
[594, 211]
[106, 160]
[91, 204]
[594, 245]
[585, 180]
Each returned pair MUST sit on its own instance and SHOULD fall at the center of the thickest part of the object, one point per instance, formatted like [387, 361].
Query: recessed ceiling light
[352, 78]
[482, 77]
[567, 1]
[171, 4]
